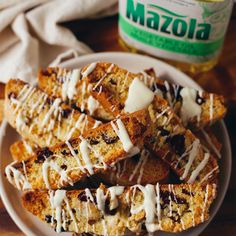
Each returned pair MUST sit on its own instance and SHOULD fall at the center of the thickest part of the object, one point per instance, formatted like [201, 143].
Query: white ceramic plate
[29, 224]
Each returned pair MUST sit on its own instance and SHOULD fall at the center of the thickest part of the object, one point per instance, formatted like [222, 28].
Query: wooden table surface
[221, 79]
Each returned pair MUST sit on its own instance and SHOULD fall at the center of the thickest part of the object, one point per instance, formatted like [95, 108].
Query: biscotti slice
[68, 85]
[196, 108]
[68, 162]
[178, 146]
[106, 82]
[141, 169]
[111, 211]
[79, 92]
[40, 118]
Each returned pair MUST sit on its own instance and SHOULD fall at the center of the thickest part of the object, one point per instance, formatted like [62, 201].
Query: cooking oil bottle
[186, 33]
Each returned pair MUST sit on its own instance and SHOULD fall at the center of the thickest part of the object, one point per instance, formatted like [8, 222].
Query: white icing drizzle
[170, 200]
[149, 206]
[28, 147]
[192, 208]
[162, 113]
[42, 104]
[20, 122]
[16, 177]
[75, 156]
[99, 82]
[123, 168]
[64, 89]
[139, 96]
[96, 124]
[211, 106]
[181, 220]
[89, 69]
[115, 191]
[189, 108]
[48, 163]
[209, 141]
[158, 204]
[101, 198]
[208, 175]
[124, 136]
[168, 94]
[142, 168]
[147, 79]
[109, 70]
[76, 126]
[142, 160]
[25, 97]
[83, 90]
[53, 110]
[85, 155]
[71, 91]
[56, 199]
[205, 203]
[92, 104]
[199, 168]
[192, 155]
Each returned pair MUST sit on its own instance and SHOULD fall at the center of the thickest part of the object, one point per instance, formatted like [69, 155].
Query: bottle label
[183, 30]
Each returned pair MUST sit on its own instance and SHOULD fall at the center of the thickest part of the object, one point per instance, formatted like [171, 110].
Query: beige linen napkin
[31, 36]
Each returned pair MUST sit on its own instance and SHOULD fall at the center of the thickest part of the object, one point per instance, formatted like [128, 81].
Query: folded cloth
[31, 36]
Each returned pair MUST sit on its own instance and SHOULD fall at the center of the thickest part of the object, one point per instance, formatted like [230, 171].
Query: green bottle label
[188, 30]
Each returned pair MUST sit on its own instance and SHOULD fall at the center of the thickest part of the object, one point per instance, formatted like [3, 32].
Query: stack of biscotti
[120, 128]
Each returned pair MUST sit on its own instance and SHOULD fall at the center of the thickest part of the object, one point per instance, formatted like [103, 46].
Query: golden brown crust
[181, 207]
[67, 163]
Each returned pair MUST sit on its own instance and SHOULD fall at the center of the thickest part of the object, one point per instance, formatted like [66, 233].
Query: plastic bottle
[187, 33]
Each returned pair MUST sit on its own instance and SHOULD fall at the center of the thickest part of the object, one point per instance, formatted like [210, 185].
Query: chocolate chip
[64, 167]
[65, 113]
[164, 132]
[73, 210]
[82, 197]
[177, 142]
[136, 158]
[199, 100]
[74, 106]
[43, 154]
[91, 222]
[109, 140]
[93, 141]
[107, 208]
[177, 95]
[112, 81]
[160, 86]
[64, 152]
[46, 73]
[186, 192]
[11, 95]
[48, 218]
[50, 101]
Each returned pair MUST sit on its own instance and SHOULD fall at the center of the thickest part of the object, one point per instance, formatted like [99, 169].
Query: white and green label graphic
[185, 30]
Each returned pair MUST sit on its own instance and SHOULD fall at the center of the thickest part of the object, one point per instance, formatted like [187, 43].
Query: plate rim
[7, 204]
